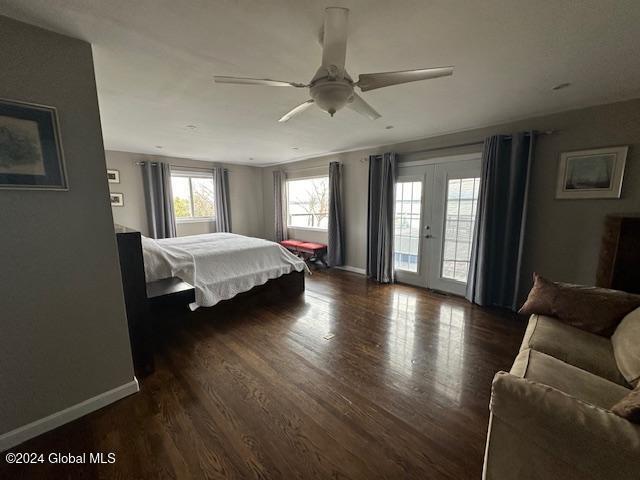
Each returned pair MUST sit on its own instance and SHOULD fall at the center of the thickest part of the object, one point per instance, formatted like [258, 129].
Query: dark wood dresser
[619, 265]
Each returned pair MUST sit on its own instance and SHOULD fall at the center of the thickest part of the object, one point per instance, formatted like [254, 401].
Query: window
[460, 218]
[308, 203]
[406, 225]
[193, 198]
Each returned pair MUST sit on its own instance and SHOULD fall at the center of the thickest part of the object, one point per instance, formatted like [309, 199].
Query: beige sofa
[550, 415]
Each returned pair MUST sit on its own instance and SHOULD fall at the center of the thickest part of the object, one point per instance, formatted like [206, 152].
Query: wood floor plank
[326, 400]
[369, 391]
[255, 390]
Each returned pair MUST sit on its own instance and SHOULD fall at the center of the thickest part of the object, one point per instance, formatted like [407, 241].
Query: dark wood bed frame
[144, 301]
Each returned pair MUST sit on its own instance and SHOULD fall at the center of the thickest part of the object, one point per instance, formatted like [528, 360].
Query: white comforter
[219, 265]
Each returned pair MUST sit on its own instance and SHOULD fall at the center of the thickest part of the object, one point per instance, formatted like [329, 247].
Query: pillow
[596, 310]
[626, 347]
[629, 406]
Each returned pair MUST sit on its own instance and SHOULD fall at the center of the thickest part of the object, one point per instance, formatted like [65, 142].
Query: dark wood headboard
[142, 299]
[135, 298]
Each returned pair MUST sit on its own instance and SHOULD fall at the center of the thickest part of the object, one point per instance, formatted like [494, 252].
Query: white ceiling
[155, 59]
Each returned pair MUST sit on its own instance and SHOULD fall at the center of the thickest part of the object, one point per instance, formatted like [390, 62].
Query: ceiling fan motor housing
[331, 95]
[331, 88]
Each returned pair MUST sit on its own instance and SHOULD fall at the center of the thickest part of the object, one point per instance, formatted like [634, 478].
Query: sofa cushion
[629, 406]
[542, 368]
[576, 347]
[626, 347]
[569, 438]
[596, 310]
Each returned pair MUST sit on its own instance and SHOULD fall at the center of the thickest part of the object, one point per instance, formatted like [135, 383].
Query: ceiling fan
[332, 88]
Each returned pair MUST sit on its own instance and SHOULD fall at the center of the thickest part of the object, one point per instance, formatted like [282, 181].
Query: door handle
[428, 236]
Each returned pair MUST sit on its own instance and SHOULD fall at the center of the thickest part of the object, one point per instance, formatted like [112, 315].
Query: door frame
[421, 275]
[441, 178]
[426, 264]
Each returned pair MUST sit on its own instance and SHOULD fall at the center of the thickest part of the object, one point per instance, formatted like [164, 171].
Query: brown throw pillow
[596, 310]
[629, 406]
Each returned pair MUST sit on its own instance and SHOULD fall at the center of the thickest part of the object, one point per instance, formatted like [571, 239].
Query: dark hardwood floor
[256, 391]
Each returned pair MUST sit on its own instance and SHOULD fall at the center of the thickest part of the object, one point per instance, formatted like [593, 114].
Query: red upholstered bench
[291, 244]
[309, 251]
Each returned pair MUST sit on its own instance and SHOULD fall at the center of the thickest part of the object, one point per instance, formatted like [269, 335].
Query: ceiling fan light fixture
[331, 96]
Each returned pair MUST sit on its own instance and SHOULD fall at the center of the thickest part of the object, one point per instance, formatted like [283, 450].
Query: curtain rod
[155, 164]
[435, 149]
[292, 170]
[178, 167]
[468, 144]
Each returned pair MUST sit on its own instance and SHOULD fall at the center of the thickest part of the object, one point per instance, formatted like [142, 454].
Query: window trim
[293, 227]
[196, 220]
[189, 175]
[310, 229]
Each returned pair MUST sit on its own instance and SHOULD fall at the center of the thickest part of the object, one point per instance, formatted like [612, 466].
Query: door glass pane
[406, 235]
[462, 201]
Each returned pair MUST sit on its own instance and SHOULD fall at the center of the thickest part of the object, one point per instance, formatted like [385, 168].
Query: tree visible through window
[308, 202]
[193, 196]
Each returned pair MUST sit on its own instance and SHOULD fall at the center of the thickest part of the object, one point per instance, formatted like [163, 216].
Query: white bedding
[218, 265]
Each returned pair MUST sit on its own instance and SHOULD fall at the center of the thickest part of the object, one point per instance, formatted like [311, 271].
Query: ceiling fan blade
[362, 107]
[300, 108]
[257, 81]
[334, 37]
[371, 81]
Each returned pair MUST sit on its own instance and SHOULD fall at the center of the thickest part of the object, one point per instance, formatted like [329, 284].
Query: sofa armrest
[592, 439]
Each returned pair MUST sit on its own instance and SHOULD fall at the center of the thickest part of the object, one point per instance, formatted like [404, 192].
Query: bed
[218, 265]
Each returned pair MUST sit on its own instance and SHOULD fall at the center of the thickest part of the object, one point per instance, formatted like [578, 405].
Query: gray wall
[63, 336]
[563, 236]
[244, 184]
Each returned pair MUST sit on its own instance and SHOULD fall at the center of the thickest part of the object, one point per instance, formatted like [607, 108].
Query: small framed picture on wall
[113, 176]
[117, 199]
[593, 173]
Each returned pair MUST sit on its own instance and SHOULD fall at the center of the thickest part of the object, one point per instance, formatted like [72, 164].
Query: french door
[435, 214]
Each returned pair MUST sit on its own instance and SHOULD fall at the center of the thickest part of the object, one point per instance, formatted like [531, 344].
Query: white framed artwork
[595, 173]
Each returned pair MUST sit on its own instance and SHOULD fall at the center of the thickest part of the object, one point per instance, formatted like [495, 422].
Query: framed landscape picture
[117, 199]
[30, 151]
[591, 173]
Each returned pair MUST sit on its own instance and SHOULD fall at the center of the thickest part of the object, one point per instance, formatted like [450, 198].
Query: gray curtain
[223, 206]
[279, 190]
[382, 179]
[336, 216]
[498, 237]
[156, 180]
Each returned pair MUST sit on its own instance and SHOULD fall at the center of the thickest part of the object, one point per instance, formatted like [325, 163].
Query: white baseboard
[33, 429]
[349, 268]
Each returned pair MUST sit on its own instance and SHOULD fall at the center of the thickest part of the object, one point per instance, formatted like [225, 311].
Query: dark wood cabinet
[135, 298]
[619, 265]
